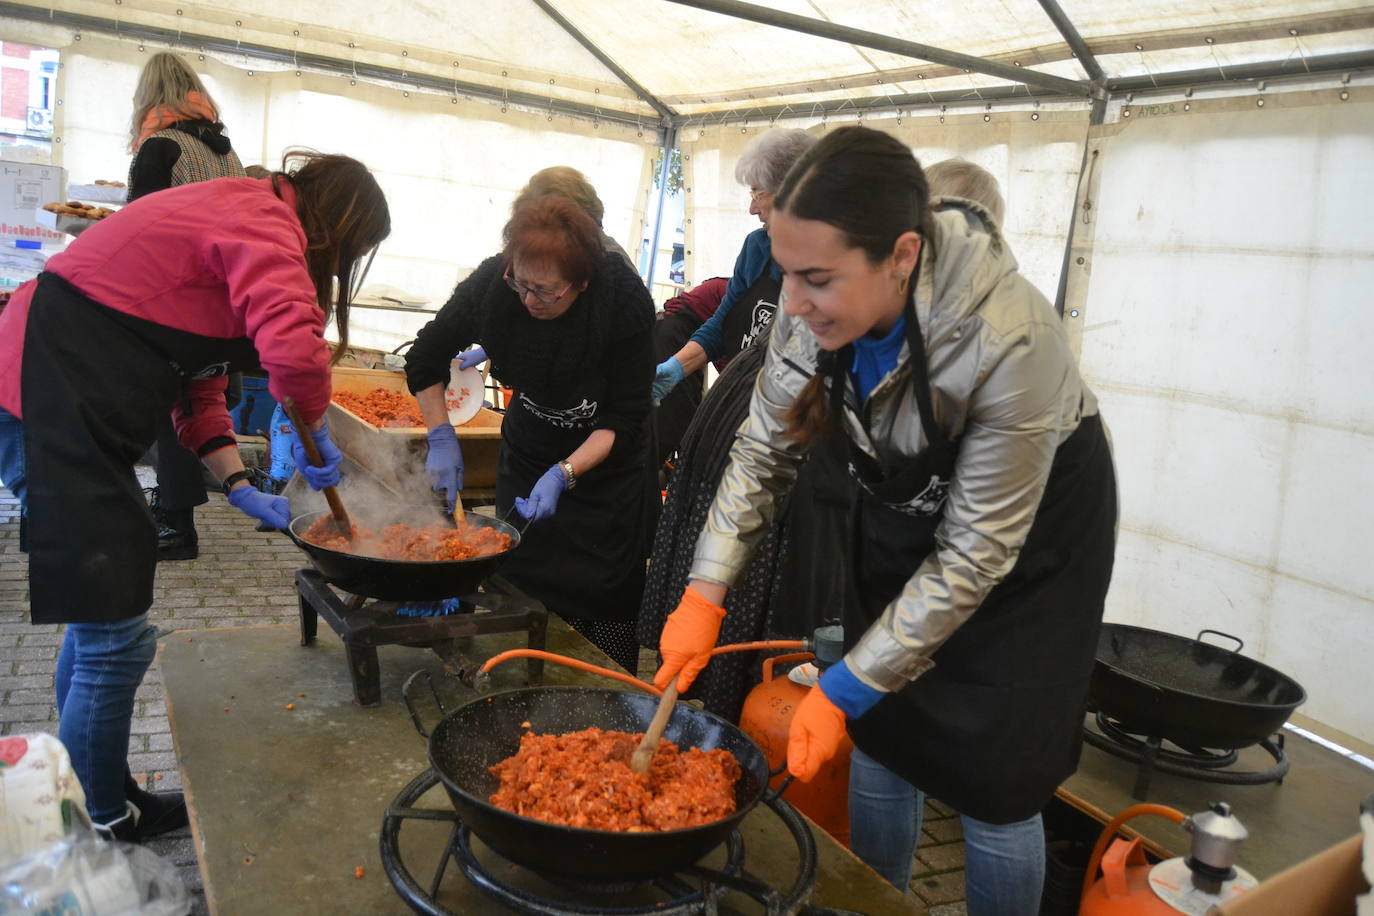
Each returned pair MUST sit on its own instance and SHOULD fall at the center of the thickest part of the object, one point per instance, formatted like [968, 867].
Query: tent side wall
[1036, 162]
[1226, 325]
[450, 170]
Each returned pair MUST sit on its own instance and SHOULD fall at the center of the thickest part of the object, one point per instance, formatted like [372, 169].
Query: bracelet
[568, 473]
[235, 478]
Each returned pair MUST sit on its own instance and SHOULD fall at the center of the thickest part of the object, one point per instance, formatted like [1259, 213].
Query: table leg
[366, 674]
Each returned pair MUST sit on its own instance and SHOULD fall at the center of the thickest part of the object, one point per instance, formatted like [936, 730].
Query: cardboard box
[1324, 885]
[384, 451]
[25, 188]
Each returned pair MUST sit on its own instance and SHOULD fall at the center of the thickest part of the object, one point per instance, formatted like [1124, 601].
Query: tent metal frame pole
[1097, 117]
[332, 65]
[669, 144]
[879, 42]
[1075, 41]
[594, 50]
[1302, 66]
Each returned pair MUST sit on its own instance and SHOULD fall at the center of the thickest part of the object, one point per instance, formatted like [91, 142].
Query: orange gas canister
[766, 718]
[1191, 886]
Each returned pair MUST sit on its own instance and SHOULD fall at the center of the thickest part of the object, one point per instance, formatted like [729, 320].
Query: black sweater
[607, 334]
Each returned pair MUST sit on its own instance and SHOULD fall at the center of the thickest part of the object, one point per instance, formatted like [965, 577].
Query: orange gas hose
[571, 663]
[1113, 826]
[621, 676]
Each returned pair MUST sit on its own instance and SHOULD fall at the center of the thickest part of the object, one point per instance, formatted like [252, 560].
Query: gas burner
[1203, 764]
[693, 890]
[364, 624]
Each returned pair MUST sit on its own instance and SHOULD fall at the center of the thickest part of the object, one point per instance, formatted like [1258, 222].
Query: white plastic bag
[84, 875]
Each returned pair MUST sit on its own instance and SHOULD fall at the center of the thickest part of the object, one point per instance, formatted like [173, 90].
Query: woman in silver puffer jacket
[984, 526]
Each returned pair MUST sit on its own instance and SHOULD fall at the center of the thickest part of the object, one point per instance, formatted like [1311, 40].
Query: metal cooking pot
[403, 580]
[476, 736]
[1193, 693]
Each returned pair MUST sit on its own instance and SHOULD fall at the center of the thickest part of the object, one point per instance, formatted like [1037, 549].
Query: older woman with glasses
[570, 329]
[756, 281]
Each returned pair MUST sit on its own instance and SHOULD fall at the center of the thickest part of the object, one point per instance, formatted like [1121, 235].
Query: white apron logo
[214, 370]
[572, 418]
[759, 322]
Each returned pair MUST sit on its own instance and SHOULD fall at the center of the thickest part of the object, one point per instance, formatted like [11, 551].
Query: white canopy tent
[1190, 182]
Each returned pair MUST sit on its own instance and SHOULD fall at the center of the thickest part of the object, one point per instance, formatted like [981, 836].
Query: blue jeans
[98, 671]
[1004, 863]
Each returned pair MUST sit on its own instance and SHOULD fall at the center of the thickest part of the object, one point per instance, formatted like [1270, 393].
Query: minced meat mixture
[583, 779]
[435, 542]
[381, 407]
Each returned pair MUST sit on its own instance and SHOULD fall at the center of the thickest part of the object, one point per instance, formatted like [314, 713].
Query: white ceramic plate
[463, 396]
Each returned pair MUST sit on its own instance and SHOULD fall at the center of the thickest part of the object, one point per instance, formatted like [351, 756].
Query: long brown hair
[345, 217]
[869, 186]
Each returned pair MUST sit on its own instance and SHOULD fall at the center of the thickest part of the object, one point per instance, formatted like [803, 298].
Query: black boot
[176, 535]
[150, 813]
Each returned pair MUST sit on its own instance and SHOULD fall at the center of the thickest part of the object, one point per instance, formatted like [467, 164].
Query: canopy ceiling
[673, 62]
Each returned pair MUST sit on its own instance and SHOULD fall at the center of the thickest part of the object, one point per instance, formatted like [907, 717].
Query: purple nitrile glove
[543, 499]
[445, 462]
[270, 510]
[474, 357]
[327, 475]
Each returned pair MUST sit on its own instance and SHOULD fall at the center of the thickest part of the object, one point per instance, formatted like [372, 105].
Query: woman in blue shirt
[756, 281]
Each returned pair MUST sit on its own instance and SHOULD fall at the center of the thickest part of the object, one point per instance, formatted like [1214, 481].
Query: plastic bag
[84, 875]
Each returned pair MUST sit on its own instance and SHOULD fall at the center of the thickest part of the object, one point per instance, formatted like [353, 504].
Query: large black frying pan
[1193, 693]
[482, 733]
[401, 580]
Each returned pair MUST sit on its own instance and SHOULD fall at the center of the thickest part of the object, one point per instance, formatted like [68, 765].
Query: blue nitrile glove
[843, 688]
[543, 498]
[270, 510]
[474, 357]
[326, 475]
[666, 377]
[445, 462]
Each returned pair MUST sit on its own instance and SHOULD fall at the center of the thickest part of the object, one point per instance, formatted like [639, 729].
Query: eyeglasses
[542, 295]
[758, 194]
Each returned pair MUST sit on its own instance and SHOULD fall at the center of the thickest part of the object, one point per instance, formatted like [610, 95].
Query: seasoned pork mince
[381, 407]
[436, 542]
[583, 779]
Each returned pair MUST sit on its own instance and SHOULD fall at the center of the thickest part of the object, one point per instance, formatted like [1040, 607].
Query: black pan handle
[507, 519]
[410, 702]
[770, 798]
[1240, 643]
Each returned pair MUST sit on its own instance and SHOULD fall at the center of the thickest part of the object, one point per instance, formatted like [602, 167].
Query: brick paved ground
[242, 578]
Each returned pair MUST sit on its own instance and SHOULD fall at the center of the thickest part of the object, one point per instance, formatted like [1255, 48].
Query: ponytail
[809, 419]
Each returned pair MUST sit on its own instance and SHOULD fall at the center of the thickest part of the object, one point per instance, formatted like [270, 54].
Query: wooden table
[286, 804]
[1315, 806]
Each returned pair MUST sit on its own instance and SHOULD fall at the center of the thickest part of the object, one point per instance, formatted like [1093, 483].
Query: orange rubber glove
[816, 732]
[689, 635]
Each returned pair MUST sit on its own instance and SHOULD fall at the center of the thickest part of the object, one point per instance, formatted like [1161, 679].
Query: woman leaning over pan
[146, 313]
[984, 519]
[569, 328]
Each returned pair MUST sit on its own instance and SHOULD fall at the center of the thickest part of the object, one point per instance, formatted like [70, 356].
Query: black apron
[95, 384]
[587, 559]
[996, 725]
[751, 315]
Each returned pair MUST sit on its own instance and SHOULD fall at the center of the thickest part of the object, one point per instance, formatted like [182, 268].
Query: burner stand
[364, 624]
[1195, 763]
[695, 889]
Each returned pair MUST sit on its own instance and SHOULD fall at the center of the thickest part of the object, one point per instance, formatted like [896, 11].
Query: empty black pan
[474, 737]
[401, 580]
[1193, 693]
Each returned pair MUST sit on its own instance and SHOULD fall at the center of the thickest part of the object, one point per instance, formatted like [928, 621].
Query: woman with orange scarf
[177, 138]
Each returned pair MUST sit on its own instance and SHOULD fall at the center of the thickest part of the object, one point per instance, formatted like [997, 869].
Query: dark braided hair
[869, 186]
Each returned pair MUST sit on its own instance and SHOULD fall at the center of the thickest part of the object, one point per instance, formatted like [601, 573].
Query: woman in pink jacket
[148, 312]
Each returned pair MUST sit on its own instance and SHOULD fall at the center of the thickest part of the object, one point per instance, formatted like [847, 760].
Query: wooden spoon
[644, 754]
[331, 494]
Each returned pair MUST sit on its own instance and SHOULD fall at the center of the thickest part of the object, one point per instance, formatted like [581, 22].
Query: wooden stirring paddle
[644, 754]
[331, 494]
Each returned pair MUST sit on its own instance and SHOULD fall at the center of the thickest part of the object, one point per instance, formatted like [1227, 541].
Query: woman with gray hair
[756, 281]
[961, 178]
